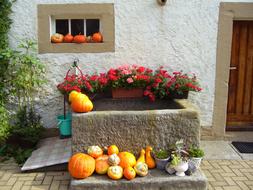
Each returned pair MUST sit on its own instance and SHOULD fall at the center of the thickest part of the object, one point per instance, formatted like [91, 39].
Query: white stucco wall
[180, 36]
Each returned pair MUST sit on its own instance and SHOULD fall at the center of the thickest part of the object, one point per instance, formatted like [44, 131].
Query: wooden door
[240, 95]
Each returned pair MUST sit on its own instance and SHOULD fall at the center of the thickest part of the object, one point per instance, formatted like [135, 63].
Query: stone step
[156, 180]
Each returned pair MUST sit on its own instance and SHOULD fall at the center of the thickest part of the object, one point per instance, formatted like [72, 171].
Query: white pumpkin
[113, 160]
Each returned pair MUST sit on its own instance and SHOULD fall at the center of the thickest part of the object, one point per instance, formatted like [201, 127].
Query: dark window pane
[92, 26]
[77, 26]
[62, 26]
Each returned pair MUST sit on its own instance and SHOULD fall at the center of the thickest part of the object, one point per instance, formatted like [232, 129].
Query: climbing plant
[5, 24]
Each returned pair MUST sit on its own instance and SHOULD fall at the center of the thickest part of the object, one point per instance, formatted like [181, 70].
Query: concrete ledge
[156, 180]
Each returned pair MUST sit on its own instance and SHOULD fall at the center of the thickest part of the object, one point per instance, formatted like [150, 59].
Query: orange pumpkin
[79, 39]
[95, 151]
[68, 38]
[149, 159]
[57, 38]
[81, 166]
[113, 149]
[97, 37]
[126, 159]
[81, 105]
[115, 172]
[72, 95]
[129, 173]
[102, 164]
[103, 157]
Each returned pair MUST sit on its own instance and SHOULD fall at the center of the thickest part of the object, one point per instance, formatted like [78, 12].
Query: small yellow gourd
[141, 169]
[149, 159]
[142, 156]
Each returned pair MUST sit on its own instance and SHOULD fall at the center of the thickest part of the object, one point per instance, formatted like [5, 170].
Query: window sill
[77, 48]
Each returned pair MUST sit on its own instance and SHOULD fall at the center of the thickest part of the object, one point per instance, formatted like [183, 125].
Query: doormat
[243, 147]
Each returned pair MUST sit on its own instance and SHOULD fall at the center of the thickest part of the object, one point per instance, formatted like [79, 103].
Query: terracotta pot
[98, 95]
[127, 93]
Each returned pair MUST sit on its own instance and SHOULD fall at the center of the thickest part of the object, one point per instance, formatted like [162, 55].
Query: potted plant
[183, 84]
[179, 164]
[91, 85]
[169, 86]
[196, 155]
[129, 81]
[161, 158]
[179, 158]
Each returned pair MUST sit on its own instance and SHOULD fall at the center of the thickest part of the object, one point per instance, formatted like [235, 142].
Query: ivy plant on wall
[5, 24]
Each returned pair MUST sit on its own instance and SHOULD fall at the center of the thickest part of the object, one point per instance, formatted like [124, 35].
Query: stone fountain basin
[132, 124]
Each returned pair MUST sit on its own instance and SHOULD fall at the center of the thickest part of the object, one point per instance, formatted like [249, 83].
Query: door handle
[232, 68]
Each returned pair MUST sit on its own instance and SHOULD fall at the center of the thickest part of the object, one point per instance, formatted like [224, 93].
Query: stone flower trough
[132, 124]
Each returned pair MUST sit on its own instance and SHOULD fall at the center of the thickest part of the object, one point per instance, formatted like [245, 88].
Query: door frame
[228, 13]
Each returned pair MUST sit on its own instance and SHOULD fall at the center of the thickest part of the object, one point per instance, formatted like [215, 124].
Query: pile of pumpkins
[59, 38]
[115, 164]
[80, 103]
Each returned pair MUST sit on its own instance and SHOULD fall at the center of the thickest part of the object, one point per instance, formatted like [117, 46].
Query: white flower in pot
[196, 155]
[179, 164]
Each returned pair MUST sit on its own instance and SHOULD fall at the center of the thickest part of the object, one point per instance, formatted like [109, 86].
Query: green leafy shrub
[28, 125]
[4, 124]
[19, 154]
[21, 77]
[26, 72]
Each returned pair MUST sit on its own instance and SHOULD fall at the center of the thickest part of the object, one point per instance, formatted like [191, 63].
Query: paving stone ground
[11, 178]
[228, 174]
[221, 174]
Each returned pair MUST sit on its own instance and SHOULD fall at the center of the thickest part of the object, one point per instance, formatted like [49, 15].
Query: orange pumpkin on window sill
[57, 38]
[79, 39]
[68, 38]
[97, 37]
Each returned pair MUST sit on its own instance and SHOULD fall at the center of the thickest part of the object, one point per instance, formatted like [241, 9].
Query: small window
[62, 26]
[85, 19]
[77, 26]
[92, 26]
